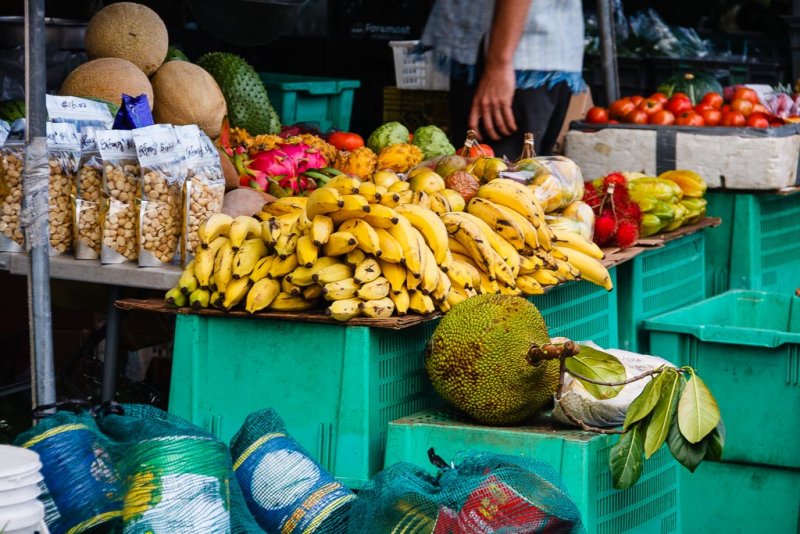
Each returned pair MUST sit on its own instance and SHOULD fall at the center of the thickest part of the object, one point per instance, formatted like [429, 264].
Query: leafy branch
[675, 407]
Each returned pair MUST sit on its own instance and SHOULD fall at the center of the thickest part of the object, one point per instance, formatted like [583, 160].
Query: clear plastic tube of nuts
[119, 212]
[203, 190]
[63, 153]
[12, 160]
[162, 173]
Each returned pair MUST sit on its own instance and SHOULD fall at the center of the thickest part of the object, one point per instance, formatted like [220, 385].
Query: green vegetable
[695, 85]
[387, 134]
[174, 54]
[248, 104]
[433, 142]
[11, 110]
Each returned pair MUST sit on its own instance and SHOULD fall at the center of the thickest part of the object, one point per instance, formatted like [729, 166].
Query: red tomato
[760, 108]
[650, 106]
[679, 95]
[725, 109]
[613, 121]
[663, 117]
[661, 97]
[757, 120]
[621, 107]
[700, 108]
[712, 117]
[485, 150]
[734, 118]
[745, 93]
[679, 103]
[690, 118]
[776, 124]
[713, 99]
[597, 115]
[745, 107]
[636, 99]
[637, 116]
[346, 140]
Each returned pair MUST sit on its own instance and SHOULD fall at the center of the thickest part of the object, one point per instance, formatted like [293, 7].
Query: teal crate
[337, 387]
[740, 499]
[582, 459]
[581, 311]
[326, 102]
[658, 281]
[758, 244]
[746, 346]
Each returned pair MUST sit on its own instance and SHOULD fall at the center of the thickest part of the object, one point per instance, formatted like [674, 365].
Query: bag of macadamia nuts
[121, 175]
[63, 154]
[12, 160]
[203, 189]
[163, 173]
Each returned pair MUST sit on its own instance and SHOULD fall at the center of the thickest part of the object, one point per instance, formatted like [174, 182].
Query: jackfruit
[248, 104]
[476, 359]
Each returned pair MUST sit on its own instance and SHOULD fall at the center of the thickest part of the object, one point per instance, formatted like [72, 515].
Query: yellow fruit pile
[382, 247]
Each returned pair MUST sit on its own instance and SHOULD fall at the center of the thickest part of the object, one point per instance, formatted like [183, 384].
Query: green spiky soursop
[248, 104]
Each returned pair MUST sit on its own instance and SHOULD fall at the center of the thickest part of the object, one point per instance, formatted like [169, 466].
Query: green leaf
[600, 366]
[658, 426]
[626, 458]
[688, 454]
[698, 412]
[645, 402]
[716, 442]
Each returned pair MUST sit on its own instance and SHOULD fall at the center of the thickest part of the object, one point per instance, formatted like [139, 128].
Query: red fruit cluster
[617, 217]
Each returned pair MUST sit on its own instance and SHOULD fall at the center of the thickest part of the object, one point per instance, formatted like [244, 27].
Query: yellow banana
[469, 264]
[216, 300]
[503, 192]
[339, 244]
[401, 300]
[354, 257]
[381, 216]
[282, 266]
[394, 272]
[501, 246]
[406, 235]
[369, 191]
[341, 216]
[507, 227]
[304, 276]
[454, 199]
[458, 274]
[176, 297]
[199, 298]
[286, 245]
[455, 247]
[219, 224]
[342, 289]
[390, 248]
[345, 309]
[529, 264]
[545, 236]
[510, 290]
[591, 269]
[235, 292]
[439, 203]
[312, 292]
[469, 234]
[321, 229]
[288, 287]
[575, 241]
[245, 259]
[399, 186]
[430, 226]
[443, 305]
[322, 201]
[377, 289]
[332, 273]
[223, 267]
[422, 199]
[566, 270]
[261, 268]
[385, 178]
[412, 282]
[545, 277]
[367, 271]
[390, 200]
[287, 302]
[355, 203]
[486, 285]
[344, 184]
[382, 308]
[243, 227]
[188, 281]
[456, 296]
[442, 288]
[529, 285]
[261, 294]
[420, 304]
[365, 235]
[307, 251]
[430, 272]
[205, 259]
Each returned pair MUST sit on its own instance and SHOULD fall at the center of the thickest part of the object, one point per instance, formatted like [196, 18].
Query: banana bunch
[350, 247]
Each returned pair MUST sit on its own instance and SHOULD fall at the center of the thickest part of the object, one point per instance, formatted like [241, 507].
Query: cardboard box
[728, 158]
[579, 106]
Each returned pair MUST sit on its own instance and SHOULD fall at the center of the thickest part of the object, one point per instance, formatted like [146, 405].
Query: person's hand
[492, 102]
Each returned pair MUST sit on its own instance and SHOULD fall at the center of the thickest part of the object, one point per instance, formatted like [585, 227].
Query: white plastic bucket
[20, 511]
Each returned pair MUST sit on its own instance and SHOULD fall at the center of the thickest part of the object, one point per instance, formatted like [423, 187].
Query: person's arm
[495, 92]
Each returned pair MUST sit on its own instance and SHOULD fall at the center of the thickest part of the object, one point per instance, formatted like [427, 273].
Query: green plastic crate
[740, 499]
[746, 346]
[758, 244]
[659, 281]
[327, 102]
[581, 311]
[582, 459]
[337, 387]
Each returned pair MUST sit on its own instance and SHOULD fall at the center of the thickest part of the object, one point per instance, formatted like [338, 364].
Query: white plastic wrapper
[609, 412]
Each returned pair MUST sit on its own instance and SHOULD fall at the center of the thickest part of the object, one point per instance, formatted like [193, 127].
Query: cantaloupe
[129, 31]
[107, 79]
[187, 94]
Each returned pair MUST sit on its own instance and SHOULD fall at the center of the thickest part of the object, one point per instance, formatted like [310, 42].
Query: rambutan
[627, 233]
[605, 228]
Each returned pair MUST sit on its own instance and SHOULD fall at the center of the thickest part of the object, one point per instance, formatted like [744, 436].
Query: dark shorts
[540, 111]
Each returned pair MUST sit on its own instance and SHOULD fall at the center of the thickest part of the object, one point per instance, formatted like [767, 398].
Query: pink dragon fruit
[274, 163]
[304, 157]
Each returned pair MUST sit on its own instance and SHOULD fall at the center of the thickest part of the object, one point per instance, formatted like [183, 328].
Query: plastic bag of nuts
[163, 172]
[63, 153]
[203, 190]
[121, 173]
[12, 160]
